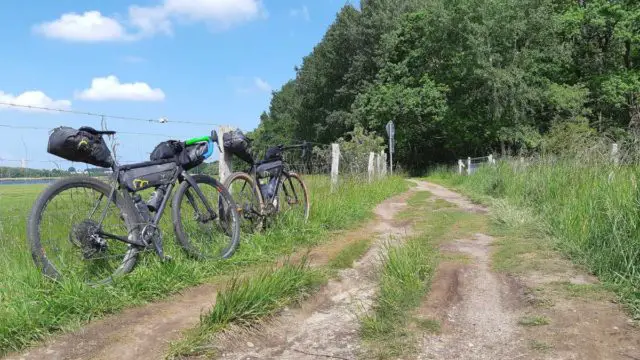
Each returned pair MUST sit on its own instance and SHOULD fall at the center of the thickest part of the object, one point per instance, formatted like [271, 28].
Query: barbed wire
[116, 117]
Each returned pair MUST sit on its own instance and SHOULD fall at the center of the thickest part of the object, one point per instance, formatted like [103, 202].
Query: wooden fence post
[378, 165]
[371, 169]
[335, 165]
[224, 163]
[490, 159]
[383, 170]
[615, 158]
[469, 165]
[460, 166]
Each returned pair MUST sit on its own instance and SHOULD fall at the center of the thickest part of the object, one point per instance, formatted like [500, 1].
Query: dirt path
[535, 315]
[327, 326]
[145, 332]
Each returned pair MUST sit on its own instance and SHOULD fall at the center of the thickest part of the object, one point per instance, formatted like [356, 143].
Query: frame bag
[149, 176]
[80, 145]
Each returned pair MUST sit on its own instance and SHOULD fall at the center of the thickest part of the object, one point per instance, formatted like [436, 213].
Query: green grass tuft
[533, 321]
[349, 254]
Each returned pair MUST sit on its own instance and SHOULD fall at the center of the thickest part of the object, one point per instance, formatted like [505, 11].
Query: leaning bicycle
[268, 187]
[81, 227]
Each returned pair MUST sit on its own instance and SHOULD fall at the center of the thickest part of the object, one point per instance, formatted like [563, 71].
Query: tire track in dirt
[327, 325]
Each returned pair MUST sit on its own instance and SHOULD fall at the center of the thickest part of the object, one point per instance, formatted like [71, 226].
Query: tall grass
[32, 307]
[593, 210]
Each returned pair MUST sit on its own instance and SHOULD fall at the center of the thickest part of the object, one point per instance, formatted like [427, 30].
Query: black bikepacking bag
[188, 157]
[80, 145]
[236, 143]
[273, 153]
[270, 170]
[149, 176]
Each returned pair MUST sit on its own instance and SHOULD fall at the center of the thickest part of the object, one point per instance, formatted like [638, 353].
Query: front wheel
[206, 232]
[293, 197]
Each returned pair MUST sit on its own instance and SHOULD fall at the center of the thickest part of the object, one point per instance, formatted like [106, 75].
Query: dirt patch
[326, 326]
[445, 194]
[139, 333]
[477, 311]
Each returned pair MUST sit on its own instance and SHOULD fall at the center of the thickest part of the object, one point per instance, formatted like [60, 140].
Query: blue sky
[207, 61]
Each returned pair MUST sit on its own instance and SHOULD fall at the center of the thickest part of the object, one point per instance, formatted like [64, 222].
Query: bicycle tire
[179, 227]
[257, 222]
[38, 253]
[296, 177]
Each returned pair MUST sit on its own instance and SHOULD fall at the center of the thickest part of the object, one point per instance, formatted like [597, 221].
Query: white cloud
[244, 85]
[302, 12]
[262, 85]
[34, 98]
[110, 88]
[91, 26]
[143, 21]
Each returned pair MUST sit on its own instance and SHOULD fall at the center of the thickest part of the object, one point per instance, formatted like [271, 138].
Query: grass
[591, 211]
[31, 307]
[404, 282]
[533, 321]
[246, 301]
[349, 254]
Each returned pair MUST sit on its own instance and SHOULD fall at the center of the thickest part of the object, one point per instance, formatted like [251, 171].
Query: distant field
[32, 307]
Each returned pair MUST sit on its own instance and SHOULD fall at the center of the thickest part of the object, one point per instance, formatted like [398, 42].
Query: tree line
[466, 77]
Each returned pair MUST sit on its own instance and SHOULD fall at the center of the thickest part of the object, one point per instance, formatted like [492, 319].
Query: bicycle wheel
[66, 232]
[293, 197]
[205, 235]
[246, 194]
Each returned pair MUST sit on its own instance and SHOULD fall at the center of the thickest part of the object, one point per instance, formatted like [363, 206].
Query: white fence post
[615, 154]
[469, 165]
[490, 159]
[335, 165]
[224, 163]
[371, 169]
[383, 160]
[378, 165]
[460, 166]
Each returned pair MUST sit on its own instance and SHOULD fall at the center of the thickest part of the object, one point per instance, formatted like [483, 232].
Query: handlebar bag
[238, 144]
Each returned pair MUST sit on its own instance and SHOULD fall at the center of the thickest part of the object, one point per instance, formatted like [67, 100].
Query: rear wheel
[201, 233]
[293, 197]
[67, 232]
[247, 196]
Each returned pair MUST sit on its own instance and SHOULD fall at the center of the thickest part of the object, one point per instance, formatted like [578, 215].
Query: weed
[349, 254]
[430, 325]
[533, 321]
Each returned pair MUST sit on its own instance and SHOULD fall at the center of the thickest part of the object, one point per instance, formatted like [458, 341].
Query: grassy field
[591, 210]
[32, 307]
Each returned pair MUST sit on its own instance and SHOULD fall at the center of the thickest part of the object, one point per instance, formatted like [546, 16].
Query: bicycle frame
[139, 233]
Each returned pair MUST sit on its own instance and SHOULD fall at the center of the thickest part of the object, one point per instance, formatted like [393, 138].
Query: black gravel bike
[84, 228]
[269, 188]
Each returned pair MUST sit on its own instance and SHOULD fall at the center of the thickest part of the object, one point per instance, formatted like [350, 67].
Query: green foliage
[466, 77]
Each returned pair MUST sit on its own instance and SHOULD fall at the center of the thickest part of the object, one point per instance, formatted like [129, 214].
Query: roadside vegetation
[32, 307]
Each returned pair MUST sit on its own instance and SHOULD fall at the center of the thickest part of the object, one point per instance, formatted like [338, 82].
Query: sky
[209, 62]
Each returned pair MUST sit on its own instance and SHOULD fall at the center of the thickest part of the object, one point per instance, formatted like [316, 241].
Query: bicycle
[265, 182]
[104, 242]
